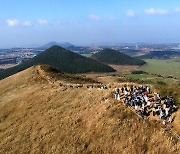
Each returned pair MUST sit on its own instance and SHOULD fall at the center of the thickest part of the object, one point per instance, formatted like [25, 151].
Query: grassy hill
[37, 117]
[62, 59]
[111, 56]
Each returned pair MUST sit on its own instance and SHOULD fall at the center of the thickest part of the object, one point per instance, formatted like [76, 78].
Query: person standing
[167, 111]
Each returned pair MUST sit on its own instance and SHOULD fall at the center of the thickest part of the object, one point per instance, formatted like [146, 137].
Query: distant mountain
[161, 54]
[63, 60]
[111, 56]
[62, 44]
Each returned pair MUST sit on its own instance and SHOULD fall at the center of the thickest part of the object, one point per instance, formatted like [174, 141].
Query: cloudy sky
[25, 22]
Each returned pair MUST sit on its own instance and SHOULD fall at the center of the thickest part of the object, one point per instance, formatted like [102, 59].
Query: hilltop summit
[111, 56]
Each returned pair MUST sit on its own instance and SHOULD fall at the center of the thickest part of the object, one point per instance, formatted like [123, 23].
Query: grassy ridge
[62, 59]
[111, 56]
[37, 117]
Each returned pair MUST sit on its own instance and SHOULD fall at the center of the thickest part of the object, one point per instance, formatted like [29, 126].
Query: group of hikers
[100, 86]
[145, 102]
[141, 99]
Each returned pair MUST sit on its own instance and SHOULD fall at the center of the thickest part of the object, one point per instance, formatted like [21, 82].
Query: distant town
[14, 56]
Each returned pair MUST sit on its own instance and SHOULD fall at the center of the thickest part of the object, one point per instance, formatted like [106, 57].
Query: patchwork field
[170, 67]
[87, 55]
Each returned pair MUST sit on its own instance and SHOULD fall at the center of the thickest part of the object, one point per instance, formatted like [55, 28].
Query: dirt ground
[122, 69]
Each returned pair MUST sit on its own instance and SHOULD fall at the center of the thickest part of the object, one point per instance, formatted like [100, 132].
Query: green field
[139, 76]
[154, 79]
[170, 67]
[167, 68]
[87, 55]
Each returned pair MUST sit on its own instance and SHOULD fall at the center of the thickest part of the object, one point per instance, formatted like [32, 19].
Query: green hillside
[62, 59]
[111, 56]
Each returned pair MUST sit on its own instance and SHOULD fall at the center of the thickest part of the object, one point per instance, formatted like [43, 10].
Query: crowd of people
[100, 86]
[145, 102]
[141, 98]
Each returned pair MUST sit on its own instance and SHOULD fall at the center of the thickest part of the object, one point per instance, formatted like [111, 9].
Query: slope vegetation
[62, 59]
[111, 56]
[38, 117]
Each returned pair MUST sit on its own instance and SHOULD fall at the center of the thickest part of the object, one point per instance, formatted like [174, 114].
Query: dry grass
[37, 117]
[56, 75]
[122, 69]
[112, 77]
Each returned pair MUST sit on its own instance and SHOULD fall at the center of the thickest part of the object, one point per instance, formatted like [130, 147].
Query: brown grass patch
[36, 117]
[122, 69]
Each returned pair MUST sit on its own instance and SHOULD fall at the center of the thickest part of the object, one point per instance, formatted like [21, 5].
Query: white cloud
[43, 21]
[12, 22]
[153, 11]
[130, 13]
[27, 24]
[94, 17]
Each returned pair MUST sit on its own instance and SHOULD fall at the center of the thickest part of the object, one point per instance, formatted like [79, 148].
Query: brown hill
[37, 116]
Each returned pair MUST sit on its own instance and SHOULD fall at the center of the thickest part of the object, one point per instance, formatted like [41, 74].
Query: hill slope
[62, 59]
[111, 56]
[44, 118]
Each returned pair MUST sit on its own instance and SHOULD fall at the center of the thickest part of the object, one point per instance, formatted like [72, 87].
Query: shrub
[139, 72]
[161, 83]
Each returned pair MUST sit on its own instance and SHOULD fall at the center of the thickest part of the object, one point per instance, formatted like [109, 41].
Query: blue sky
[25, 22]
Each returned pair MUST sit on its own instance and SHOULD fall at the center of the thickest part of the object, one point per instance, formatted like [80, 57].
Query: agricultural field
[151, 79]
[170, 67]
[139, 76]
[87, 55]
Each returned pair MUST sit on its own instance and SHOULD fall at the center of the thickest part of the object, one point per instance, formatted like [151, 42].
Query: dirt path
[43, 75]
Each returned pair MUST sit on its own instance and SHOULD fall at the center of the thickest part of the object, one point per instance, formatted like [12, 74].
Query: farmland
[170, 67]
